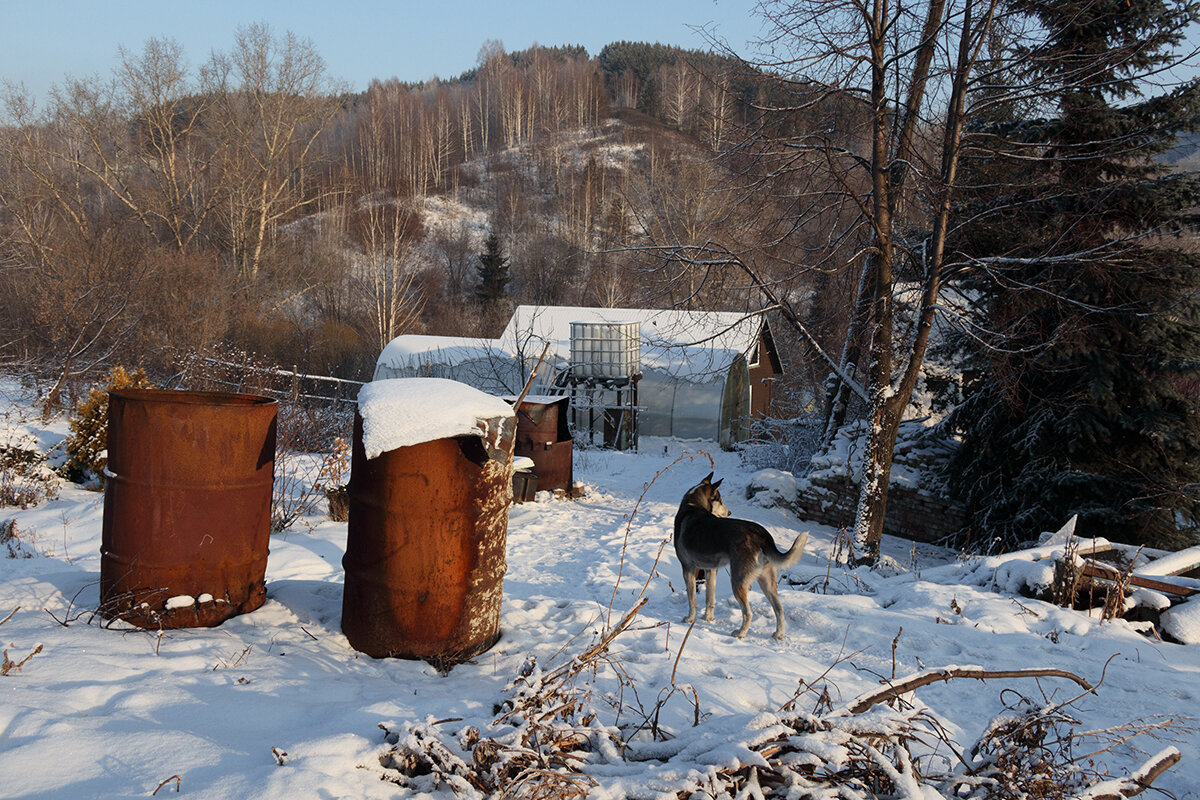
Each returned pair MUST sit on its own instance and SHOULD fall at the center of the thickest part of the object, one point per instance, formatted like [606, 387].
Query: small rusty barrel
[425, 547]
[187, 506]
[543, 435]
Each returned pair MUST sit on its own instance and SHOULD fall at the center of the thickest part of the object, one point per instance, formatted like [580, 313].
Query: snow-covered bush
[785, 444]
[11, 543]
[25, 479]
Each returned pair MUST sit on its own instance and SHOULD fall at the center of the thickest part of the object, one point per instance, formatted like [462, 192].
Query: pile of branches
[546, 740]
[882, 746]
[536, 746]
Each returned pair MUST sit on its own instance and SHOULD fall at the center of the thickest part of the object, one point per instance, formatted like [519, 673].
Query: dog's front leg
[689, 581]
[710, 594]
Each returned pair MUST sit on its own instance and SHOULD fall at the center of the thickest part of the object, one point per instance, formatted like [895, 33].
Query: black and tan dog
[707, 538]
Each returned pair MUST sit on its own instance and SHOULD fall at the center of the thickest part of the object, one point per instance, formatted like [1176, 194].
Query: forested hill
[158, 211]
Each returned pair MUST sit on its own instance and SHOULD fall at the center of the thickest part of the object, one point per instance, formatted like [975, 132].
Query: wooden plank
[1107, 573]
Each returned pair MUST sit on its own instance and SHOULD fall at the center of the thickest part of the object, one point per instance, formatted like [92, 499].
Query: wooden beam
[1093, 570]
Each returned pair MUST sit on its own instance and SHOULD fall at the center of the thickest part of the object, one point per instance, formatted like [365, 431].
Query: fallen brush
[546, 741]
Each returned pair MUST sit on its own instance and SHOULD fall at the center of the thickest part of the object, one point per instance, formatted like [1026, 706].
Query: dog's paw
[739, 634]
[689, 619]
[779, 636]
[709, 616]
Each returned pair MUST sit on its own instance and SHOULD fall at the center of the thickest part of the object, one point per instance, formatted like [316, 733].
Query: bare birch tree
[859, 137]
[383, 226]
[275, 101]
[68, 266]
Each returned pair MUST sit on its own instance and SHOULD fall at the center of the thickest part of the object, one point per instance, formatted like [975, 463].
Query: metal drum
[187, 506]
[425, 548]
[542, 434]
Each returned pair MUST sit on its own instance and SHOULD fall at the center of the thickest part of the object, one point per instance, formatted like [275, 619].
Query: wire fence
[314, 410]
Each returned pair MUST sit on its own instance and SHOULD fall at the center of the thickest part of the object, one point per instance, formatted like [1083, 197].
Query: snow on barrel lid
[401, 412]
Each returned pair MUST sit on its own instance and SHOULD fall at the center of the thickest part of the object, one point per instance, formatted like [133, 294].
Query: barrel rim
[192, 397]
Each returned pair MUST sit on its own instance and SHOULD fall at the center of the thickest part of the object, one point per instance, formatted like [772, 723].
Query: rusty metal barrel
[543, 435]
[187, 506]
[425, 547]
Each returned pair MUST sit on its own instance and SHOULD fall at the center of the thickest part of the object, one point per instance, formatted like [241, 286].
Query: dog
[707, 538]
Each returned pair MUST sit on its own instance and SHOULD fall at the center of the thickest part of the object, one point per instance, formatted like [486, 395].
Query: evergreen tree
[493, 273]
[1087, 402]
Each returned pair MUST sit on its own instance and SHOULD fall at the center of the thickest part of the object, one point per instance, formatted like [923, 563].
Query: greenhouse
[695, 375]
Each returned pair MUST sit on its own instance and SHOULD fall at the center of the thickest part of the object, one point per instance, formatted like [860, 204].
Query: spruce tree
[1087, 403]
[493, 274]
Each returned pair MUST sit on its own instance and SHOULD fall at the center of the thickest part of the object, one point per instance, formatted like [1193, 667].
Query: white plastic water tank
[606, 349]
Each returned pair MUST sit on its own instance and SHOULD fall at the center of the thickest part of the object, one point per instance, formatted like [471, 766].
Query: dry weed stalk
[1072, 588]
[7, 665]
[1067, 576]
[298, 489]
[178, 783]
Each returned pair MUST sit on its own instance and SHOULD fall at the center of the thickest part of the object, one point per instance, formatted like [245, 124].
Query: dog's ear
[717, 484]
[707, 478]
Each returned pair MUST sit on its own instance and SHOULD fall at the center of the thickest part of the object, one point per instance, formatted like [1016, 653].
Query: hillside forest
[974, 212]
[251, 203]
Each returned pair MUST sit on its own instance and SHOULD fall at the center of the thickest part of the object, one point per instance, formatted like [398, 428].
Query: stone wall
[911, 513]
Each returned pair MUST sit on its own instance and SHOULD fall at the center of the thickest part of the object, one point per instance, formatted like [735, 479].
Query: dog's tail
[782, 560]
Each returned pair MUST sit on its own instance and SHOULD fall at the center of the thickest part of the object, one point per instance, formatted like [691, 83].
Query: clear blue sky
[41, 41]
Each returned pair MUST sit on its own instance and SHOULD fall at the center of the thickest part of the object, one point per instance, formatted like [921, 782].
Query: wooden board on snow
[1103, 572]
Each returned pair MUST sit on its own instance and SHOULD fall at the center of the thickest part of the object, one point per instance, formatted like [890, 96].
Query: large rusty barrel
[187, 506]
[430, 487]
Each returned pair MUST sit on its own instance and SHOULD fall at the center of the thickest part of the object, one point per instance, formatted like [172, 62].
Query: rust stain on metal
[542, 434]
[187, 506]
[425, 550]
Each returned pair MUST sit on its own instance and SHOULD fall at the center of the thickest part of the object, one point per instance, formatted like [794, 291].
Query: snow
[402, 412]
[180, 601]
[1183, 622]
[772, 487]
[107, 711]
[1181, 561]
[414, 350]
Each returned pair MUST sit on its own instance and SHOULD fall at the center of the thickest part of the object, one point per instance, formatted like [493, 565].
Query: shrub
[11, 543]
[301, 481]
[87, 444]
[25, 480]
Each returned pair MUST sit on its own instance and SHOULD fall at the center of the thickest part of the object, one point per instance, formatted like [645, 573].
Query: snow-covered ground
[275, 704]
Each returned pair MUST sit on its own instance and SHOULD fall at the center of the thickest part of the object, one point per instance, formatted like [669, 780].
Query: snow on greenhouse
[703, 374]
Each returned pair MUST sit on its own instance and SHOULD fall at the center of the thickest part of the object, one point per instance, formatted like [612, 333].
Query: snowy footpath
[275, 704]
